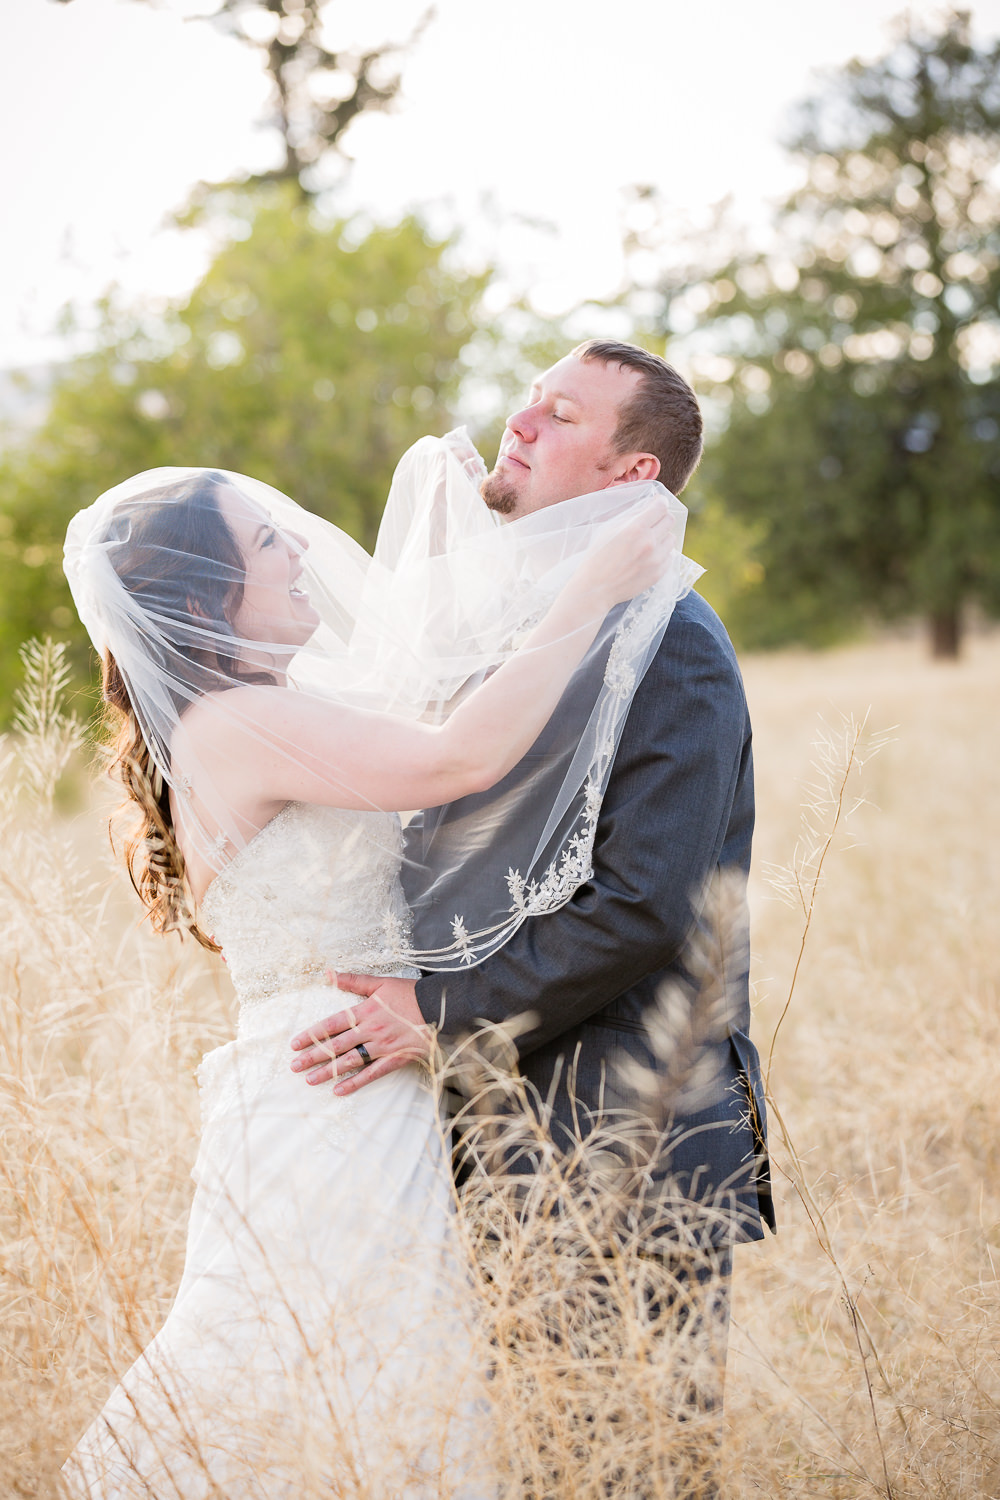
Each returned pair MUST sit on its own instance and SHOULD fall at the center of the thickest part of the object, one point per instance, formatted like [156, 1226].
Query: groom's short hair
[662, 417]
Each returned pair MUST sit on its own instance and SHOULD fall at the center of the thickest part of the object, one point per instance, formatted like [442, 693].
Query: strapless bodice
[317, 889]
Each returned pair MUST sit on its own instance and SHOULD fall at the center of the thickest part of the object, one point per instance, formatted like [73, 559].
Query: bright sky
[513, 110]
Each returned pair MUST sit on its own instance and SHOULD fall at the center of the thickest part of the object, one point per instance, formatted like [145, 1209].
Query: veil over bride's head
[198, 581]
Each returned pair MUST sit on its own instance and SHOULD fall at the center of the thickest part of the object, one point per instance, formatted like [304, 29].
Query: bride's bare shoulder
[231, 711]
[233, 730]
[224, 726]
[219, 751]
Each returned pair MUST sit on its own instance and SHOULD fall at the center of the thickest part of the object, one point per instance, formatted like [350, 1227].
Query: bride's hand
[467, 454]
[633, 560]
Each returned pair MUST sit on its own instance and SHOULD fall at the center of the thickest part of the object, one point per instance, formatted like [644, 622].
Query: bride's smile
[275, 605]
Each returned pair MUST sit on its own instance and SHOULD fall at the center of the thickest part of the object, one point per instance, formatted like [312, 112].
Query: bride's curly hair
[153, 559]
[152, 855]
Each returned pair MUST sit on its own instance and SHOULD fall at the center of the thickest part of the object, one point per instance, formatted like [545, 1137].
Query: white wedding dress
[320, 1342]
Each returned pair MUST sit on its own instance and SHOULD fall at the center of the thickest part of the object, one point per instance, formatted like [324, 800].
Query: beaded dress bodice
[317, 889]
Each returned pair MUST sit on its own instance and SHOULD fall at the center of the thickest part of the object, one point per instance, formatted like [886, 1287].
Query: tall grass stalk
[829, 804]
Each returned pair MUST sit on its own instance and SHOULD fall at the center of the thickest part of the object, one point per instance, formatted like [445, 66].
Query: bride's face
[275, 606]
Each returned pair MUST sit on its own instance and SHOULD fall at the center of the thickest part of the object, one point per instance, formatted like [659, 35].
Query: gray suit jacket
[679, 805]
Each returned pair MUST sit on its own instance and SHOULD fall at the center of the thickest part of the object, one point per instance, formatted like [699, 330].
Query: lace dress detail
[321, 1310]
[315, 891]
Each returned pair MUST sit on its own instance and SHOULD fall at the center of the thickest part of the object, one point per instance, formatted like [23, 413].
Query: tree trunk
[946, 633]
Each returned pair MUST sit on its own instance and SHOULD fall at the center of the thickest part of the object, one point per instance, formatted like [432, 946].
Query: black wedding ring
[363, 1053]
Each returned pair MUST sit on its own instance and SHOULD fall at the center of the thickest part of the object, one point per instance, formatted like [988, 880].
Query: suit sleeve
[666, 815]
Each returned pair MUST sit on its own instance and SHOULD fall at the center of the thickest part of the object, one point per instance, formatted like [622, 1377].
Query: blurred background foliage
[855, 361]
[849, 366]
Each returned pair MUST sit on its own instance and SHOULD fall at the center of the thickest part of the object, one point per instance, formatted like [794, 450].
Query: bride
[281, 698]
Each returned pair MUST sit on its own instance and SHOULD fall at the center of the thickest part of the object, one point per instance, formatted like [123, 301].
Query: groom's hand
[386, 1022]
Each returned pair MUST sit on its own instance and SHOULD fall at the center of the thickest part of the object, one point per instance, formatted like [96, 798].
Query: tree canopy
[316, 91]
[858, 357]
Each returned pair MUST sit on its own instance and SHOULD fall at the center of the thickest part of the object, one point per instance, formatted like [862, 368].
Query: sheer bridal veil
[158, 578]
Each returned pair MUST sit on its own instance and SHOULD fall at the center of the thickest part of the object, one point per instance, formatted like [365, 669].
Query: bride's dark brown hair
[155, 543]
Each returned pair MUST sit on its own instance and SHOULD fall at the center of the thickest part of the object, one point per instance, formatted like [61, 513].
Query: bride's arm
[352, 758]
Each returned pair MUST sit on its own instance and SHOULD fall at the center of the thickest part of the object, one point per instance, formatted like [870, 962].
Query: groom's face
[560, 443]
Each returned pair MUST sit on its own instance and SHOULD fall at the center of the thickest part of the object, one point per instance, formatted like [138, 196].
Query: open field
[864, 1353]
[866, 1341]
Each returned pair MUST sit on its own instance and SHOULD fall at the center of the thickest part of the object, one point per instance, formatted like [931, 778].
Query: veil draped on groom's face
[465, 593]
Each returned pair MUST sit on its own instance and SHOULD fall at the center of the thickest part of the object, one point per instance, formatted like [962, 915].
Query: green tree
[310, 356]
[858, 358]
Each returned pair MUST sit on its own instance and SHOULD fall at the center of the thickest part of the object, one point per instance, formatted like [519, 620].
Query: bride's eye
[269, 538]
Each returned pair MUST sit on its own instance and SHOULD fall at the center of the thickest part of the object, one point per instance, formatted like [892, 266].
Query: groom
[678, 810]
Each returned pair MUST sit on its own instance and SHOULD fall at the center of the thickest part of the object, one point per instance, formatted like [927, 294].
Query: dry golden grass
[864, 1351]
[863, 1354]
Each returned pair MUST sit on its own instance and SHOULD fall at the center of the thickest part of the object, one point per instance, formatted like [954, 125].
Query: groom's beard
[499, 494]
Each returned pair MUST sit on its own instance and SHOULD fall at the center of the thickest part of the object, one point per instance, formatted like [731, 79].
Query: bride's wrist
[587, 594]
